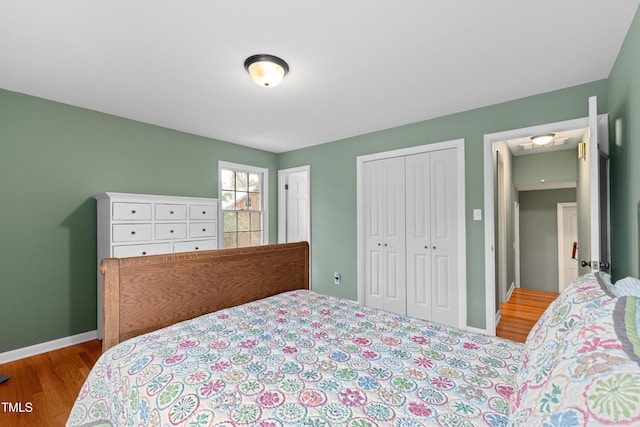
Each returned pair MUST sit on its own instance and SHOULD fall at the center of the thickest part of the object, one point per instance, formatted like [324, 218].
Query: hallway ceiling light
[266, 70]
[543, 139]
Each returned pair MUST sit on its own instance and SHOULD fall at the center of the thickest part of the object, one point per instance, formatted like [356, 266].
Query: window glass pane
[256, 238]
[254, 199]
[242, 181]
[228, 199]
[243, 221]
[256, 221]
[241, 200]
[230, 240]
[254, 182]
[230, 221]
[244, 239]
[227, 178]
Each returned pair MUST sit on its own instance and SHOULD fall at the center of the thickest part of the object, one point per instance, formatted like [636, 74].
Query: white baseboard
[21, 353]
[510, 291]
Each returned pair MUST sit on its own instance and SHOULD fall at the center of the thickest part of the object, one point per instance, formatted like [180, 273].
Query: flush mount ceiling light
[543, 139]
[266, 70]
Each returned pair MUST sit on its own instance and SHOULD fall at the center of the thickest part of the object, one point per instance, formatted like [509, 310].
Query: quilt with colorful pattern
[302, 359]
[583, 360]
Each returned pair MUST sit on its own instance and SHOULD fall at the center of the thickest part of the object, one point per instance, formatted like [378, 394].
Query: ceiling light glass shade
[543, 139]
[266, 70]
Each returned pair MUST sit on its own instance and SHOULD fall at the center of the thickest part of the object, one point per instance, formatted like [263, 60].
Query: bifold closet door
[431, 236]
[384, 240]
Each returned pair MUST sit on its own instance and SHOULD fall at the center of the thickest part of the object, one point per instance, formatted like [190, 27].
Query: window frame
[264, 196]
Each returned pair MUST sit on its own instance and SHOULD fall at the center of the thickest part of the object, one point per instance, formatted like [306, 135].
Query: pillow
[629, 286]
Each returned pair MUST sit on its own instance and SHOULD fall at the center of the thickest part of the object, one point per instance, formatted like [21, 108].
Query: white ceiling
[562, 140]
[357, 66]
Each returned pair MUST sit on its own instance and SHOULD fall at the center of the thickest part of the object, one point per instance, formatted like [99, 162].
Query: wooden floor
[43, 388]
[521, 312]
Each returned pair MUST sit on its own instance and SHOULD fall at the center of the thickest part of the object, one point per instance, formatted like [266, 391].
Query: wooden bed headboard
[142, 294]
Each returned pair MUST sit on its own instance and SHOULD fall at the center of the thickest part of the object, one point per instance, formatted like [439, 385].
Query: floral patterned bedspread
[304, 359]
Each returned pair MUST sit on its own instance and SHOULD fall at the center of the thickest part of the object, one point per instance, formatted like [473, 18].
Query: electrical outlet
[336, 278]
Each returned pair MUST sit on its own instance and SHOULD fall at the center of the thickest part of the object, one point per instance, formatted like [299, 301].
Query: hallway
[521, 312]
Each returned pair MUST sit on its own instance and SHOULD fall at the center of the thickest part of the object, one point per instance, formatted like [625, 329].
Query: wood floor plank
[521, 312]
[48, 384]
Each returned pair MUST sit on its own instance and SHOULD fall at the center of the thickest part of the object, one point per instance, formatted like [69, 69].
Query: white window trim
[265, 197]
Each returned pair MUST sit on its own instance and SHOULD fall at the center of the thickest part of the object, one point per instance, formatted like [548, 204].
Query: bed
[236, 338]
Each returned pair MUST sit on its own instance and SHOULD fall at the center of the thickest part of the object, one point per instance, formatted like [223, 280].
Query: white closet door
[444, 237]
[373, 198]
[385, 234]
[418, 230]
[432, 275]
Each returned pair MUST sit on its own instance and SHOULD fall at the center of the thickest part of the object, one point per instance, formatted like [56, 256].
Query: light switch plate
[477, 214]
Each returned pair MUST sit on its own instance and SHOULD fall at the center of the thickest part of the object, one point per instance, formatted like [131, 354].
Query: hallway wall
[539, 237]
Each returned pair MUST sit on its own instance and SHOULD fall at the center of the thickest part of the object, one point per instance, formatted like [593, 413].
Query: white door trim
[458, 144]
[516, 242]
[489, 197]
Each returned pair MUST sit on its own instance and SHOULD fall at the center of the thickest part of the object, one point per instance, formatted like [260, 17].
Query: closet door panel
[373, 228]
[441, 284]
[394, 235]
[418, 230]
[444, 232]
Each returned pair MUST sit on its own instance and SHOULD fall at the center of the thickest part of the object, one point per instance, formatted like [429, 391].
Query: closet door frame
[458, 145]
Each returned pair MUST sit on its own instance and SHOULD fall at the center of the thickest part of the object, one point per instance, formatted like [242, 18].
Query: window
[243, 196]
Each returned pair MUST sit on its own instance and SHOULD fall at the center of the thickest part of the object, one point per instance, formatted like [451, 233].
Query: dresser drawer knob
[133, 211]
[133, 232]
[144, 252]
[204, 229]
[197, 248]
[204, 212]
[170, 231]
[171, 212]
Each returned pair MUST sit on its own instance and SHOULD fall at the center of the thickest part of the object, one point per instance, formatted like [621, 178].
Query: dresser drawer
[131, 211]
[131, 232]
[141, 250]
[196, 245]
[170, 211]
[171, 231]
[203, 212]
[202, 229]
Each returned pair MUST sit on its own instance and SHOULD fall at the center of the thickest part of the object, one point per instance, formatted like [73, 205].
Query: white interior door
[384, 234]
[595, 249]
[297, 207]
[444, 237]
[567, 235]
[394, 236]
[294, 210]
[419, 274]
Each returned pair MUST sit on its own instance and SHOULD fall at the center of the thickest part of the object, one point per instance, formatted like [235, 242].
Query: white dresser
[143, 224]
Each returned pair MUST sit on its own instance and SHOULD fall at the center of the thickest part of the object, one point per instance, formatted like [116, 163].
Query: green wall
[554, 167]
[539, 237]
[624, 123]
[333, 180]
[53, 159]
